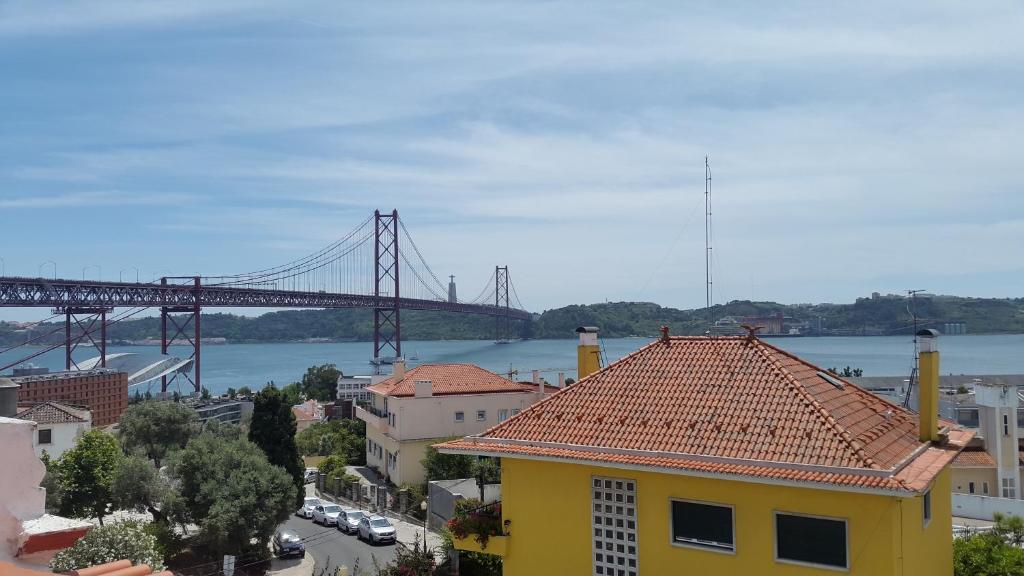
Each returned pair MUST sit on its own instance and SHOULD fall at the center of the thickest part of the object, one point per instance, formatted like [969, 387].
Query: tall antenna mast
[709, 289]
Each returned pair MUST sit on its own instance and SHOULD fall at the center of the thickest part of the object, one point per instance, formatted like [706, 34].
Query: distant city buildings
[308, 413]
[222, 410]
[104, 392]
[353, 388]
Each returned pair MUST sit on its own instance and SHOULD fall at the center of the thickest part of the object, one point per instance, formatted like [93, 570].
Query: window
[45, 436]
[460, 417]
[1006, 425]
[984, 487]
[1009, 488]
[515, 411]
[481, 415]
[502, 414]
[970, 487]
[810, 540]
[614, 526]
[703, 525]
[926, 502]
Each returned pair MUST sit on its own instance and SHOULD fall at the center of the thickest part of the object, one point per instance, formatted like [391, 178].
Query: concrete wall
[982, 507]
[962, 478]
[434, 417]
[445, 493]
[21, 498]
[63, 437]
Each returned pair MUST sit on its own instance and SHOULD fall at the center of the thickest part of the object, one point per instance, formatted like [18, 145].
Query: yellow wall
[549, 506]
[962, 477]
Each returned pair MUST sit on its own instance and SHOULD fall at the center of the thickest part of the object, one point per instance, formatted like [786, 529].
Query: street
[328, 545]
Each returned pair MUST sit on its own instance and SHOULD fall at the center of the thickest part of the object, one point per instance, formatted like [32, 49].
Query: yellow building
[721, 456]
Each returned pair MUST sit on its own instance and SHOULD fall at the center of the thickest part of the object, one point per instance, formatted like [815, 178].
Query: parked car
[376, 529]
[308, 504]
[287, 543]
[311, 475]
[348, 520]
[326, 514]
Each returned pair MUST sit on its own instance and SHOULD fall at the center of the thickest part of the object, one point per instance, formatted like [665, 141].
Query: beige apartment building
[427, 404]
[991, 464]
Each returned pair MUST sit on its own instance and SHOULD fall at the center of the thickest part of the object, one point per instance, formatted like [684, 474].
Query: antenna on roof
[709, 289]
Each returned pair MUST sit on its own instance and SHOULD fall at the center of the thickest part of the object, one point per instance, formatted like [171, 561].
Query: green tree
[87, 475]
[244, 391]
[137, 485]
[205, 393]
[321, 382]
[343, 437]
[122, 540]
[292, 393]
[1010, 527]
[157, 428]
[273, 430]
[51, 483]
[231, 491]
[231, 393]
[986, 554]
[440, 466]
[332, 466]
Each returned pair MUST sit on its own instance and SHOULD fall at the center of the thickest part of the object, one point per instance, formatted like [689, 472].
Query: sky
[854, 146]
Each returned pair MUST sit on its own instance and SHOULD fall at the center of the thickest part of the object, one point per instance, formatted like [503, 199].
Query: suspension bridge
[370, 267]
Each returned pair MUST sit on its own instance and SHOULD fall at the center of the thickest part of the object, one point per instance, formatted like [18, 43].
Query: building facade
[103, 392]
[353, 388]
[58, 426]
[414, 409]
[727, 456]
[992, 465]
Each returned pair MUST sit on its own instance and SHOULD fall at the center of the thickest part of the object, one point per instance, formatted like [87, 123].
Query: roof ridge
[826, 417]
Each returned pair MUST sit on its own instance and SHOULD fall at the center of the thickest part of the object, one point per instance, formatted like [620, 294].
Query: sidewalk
[291, 566]
[406, 532]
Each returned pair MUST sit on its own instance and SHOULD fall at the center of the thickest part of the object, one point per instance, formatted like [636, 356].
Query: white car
[308, 504]
[348, 520]
[376, 529]
[326, 514]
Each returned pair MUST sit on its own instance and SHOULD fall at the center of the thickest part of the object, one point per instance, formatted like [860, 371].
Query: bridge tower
[387, 332]
[186, 316]
[502, 322]
[87, 327]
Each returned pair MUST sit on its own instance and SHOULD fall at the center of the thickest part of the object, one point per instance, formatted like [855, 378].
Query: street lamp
[423, 507]
[119, 272]
[3, 267]
[51, 262]
[96, 266]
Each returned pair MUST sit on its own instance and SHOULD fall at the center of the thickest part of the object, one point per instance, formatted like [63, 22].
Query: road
[328, 545]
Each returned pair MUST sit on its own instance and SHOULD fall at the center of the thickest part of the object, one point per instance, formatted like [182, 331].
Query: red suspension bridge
[370, 267]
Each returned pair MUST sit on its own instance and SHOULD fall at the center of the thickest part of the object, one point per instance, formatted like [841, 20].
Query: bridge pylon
[73, 317]
[181, 318]
[502, 322]
[387, 327]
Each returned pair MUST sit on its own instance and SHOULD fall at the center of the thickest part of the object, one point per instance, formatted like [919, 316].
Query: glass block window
[613, 526]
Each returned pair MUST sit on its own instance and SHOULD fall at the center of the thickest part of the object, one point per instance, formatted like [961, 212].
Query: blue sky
[855, 146]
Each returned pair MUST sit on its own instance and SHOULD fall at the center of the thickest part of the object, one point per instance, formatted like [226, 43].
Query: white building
[412, 410]
[354, 388]
[58, 426]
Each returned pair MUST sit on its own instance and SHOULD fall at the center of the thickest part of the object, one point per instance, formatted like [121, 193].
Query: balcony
[479, 529]
[373, 417]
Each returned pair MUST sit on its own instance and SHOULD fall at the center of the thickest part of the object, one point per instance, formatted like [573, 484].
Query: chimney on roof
[535, 375]
[424, 388]
[8, 398]
[561, 379]
[928, 376]
[398, 369]
[588, 353]
[664, 334]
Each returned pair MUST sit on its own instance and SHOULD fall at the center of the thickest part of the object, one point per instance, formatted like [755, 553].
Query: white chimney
[424, 388]
[561, 379]
[398, 369]
[536, 376]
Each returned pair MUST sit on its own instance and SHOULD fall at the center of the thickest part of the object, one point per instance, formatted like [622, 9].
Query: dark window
[45, 436]
[927, 501]
[810, 540]
[702, 525]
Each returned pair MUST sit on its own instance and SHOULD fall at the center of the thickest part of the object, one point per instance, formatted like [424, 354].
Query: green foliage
[87, 475]
[321, 382]
[137, 485]
[996, 553]
[157, 428]
[344, 437]
[332, 466]
[51, 483]
[273, 430]
[474, 519]
[231, 392]
[292, 393]
[123, 540]
[169, 543]
[231, 491]
[417, 561]
[963, 389]
[205, 393]
[440, 466]
[244, 391]
[847, 372]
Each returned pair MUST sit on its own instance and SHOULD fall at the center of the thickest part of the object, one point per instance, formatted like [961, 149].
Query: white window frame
[502, 415]
[481, 415]
[775, 534]
[695, 544]
[460, 416]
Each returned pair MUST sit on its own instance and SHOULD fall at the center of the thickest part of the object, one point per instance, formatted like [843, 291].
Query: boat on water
[383, 361]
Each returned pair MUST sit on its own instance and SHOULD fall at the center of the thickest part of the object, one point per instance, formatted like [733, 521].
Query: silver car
[326, 514]
[348, 520]
[308, 504]
[376, 529]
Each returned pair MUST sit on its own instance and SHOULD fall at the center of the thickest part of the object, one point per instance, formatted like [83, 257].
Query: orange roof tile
[974, 459]
[449, 379]
[724, 404]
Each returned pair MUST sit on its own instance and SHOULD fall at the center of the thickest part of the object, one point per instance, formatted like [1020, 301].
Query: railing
[480, 529]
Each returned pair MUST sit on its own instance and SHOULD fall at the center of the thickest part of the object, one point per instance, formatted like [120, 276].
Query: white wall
[434, 417]
[982, 507]
[22, 498]
[63, 437]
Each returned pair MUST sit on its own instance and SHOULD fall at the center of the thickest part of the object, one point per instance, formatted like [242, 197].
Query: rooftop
[64, 375]
[726, 405]
[449, 379]
[50, 412]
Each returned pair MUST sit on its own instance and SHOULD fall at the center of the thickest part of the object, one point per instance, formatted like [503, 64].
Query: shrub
[480, 521]
[123, 540]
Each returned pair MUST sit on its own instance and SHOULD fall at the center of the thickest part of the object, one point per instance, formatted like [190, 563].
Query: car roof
[287, 532]
[377, 517]
[311, 499]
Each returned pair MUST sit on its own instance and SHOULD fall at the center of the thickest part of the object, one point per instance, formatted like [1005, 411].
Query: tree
[87, 475]
[244, 391]
[122, 540]
[273, 430]
[231, 491]
[139, 486]
[332, 466]
[231, 393]
[51, 483]
[346, 438]
[440, 466]
[204, 393]
[1010, 527]
[292, 393]
[321, 382]
[986, 554]
[158, 428]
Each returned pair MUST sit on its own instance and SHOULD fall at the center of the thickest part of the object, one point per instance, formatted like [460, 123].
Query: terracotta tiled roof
[728, 405]
[119, 568]
[449, 379]
[52, 413]
[974, 459]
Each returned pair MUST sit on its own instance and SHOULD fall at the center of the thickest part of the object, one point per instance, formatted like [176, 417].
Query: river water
[236, 365]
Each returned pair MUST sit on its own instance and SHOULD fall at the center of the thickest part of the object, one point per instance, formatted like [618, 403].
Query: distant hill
[867, 316]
